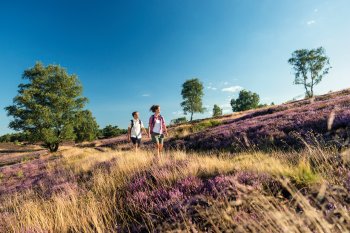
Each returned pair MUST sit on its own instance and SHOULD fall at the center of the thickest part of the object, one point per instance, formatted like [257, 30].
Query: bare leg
[157, 147]
[160, 148]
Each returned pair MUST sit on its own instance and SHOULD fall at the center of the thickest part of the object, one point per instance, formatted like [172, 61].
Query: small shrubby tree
[86, 127]
[112, 131]
[246, 100]
[179, 120]
[47, 104]
[310, 67]
[217, 111]
[192, 94]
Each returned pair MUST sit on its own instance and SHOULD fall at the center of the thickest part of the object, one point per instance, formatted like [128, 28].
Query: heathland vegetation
[263, 168]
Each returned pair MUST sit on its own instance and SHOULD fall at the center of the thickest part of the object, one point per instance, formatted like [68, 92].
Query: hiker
[135, 130]
[157, 128]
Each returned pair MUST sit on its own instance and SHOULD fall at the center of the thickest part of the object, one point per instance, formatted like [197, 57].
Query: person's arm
[146, 132]
[144, 129]
[165, 128]
[129, 134]
[149, 126]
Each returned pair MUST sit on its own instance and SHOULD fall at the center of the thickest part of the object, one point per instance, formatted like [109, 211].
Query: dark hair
[133, 113]
[154, 108]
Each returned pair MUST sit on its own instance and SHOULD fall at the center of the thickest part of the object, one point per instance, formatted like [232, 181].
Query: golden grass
[97, 209]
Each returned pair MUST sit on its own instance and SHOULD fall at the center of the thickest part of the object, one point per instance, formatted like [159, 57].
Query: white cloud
[226, 108]
[232, 89]
[311, 22]
[146, 95]
[178, 113]
[212, 88]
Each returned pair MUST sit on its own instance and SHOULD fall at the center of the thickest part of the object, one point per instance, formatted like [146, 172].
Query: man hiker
[135, 130]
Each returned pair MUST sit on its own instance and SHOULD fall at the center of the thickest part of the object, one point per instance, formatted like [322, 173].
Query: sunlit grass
[99, 205]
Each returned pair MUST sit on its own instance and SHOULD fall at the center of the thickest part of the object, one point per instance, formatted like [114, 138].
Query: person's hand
[166, 133]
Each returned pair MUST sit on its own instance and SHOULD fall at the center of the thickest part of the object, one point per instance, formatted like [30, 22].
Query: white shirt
[136, 129]
[157, 126]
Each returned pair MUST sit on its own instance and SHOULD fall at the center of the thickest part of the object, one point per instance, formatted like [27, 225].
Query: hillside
[323, 119]
[105, 187]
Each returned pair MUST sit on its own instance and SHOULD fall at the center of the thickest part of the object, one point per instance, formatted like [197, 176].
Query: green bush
[112, 131]
[204, 125]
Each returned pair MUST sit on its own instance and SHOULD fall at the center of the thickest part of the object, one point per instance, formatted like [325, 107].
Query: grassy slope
[107, 189]
[279, 126]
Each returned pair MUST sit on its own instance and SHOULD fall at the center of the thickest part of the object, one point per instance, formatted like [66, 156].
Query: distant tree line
[14, 137]
[111, 131]
[82, 134]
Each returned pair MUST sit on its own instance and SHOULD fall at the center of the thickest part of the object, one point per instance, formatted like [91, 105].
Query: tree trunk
[53, 147]
[312, 91]
[191, 116]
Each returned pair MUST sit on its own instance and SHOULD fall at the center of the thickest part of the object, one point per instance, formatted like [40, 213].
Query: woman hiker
[157, 128]
[135, 130]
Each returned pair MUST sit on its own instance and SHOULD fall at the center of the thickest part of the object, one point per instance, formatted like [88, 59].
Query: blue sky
[131, 54]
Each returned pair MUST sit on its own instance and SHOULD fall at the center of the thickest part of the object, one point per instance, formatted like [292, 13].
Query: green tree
[47, 104]
[86, 127]
[217, 111]
[246, 100]
[14, 137]
[310, 66]
[179, 120]
[112, 131]
[192, 94]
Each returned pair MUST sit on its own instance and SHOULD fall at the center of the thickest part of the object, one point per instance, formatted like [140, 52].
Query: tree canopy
[217, 111]
[246, 100]
[85, 127]
[310, 66]
[192, 94]
[47, 104]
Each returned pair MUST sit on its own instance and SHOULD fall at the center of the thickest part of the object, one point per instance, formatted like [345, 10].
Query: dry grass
[98, 205]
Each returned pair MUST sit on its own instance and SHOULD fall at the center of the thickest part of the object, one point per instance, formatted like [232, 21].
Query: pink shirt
[152, 123]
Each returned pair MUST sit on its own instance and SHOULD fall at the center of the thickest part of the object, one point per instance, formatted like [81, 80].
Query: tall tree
[192, 94]
[217, 111]
[310, 66]
[246, 100]
[86, 127]
[47, 104]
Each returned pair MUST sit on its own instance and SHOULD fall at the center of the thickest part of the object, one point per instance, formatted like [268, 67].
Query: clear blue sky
[131, 54]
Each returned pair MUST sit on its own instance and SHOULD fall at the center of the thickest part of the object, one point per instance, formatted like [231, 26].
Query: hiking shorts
[157, 138]
[136, 141]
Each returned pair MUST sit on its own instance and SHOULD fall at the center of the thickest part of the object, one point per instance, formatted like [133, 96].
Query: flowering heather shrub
[170, 200]
[248, 178]
[219, 185]
[190, 185]
[276, 126]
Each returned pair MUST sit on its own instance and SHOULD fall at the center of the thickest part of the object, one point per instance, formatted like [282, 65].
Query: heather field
[323, 119]
[277, 169]
[86, 190]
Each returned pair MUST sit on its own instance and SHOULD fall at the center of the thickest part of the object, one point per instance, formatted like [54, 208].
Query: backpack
[132, 123]
[154, 119]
